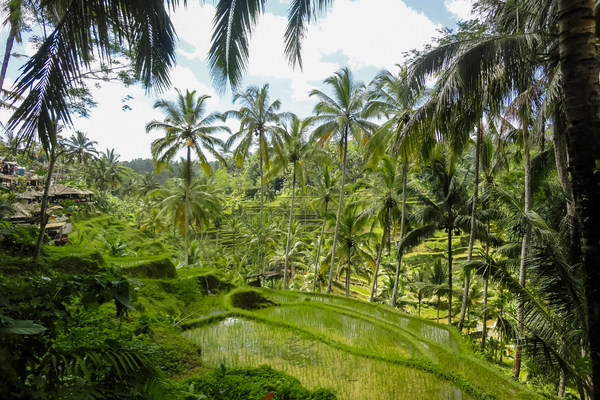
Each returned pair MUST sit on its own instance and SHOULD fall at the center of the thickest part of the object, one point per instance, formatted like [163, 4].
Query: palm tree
[325, 191]
[201, 200]
[351, 236]
[392, 97]
[444, 209]
[382, 203]
[186, 127]
[341, 117]
[81, 148]
[258, 119]
[154, 222]
[295, 150]
[438, 283]
[146, 184]
[16, 13]
[105, 174]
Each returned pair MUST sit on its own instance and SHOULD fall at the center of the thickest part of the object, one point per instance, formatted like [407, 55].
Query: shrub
[19, 240]
[158, 269]
[250, 300]
[251, 384]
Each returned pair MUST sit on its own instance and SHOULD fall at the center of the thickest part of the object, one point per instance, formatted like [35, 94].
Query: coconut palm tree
[352, 236]
[444, 208]
[196, 208]
[438, 283]
[154, 222]
[186, 128]
[105, 174]
[258, 119]
[340, 117]
[297, 151]
[80, 148]
[146, 184]
[325, 190]
[382, 203]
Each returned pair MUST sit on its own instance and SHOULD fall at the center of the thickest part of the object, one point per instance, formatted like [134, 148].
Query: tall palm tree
[81, 148]
[392, 98]
[340, 116]
[201, 203]
[146, 184]
[352, 236]
[186, 128]
[154, 222]
[105, 174]
[325, 190]
[15, 11]
[382, 203]
[258, 119]
[444, 208]
[438, 283]
[297, 151]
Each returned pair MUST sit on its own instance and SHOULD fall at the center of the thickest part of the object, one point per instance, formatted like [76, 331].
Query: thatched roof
[58, 190]
[26, 195]
[20, 212]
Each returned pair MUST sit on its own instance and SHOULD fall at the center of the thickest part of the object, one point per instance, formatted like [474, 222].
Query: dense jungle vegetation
[433, 229]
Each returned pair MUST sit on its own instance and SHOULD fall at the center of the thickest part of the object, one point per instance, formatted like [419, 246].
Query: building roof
[20, 212]
[55, 226]
[25, 195]
[58, 190]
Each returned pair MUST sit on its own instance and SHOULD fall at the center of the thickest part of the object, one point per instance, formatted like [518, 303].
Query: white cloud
[369, 32]
[194, 26]
[460, 8]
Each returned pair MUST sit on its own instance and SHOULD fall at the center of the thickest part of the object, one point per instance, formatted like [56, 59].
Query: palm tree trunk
[374, 286]
[201, 243]
[385, 229]
[525, 244]
[44, 205]
[463, 309]
[402, 218]
[287, 246]
[485, 302]
[348, 274]
[450, 274]
[262, 186]
[579, 64]
[438, 310]
[340, 211]
[188, 179]
[9, 44]
[319, 250]
[560, 156]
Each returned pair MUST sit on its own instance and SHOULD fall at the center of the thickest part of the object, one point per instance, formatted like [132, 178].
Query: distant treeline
[143, 165]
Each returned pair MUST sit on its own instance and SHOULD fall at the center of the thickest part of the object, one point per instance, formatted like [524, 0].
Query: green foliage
[159, 269]
[48, 348]
[251, 384]
[20, 240]
[250, 300]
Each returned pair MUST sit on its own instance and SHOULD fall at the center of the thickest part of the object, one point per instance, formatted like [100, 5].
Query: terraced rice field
[358, 349]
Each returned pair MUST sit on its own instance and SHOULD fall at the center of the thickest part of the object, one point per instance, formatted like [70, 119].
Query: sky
[364, 35]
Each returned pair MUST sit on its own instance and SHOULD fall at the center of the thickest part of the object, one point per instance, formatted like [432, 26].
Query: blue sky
[363, 35]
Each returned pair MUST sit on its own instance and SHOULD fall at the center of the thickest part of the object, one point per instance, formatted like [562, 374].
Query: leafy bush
[19, 240]
[251, 384]
[250, 300]
[158, 269]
